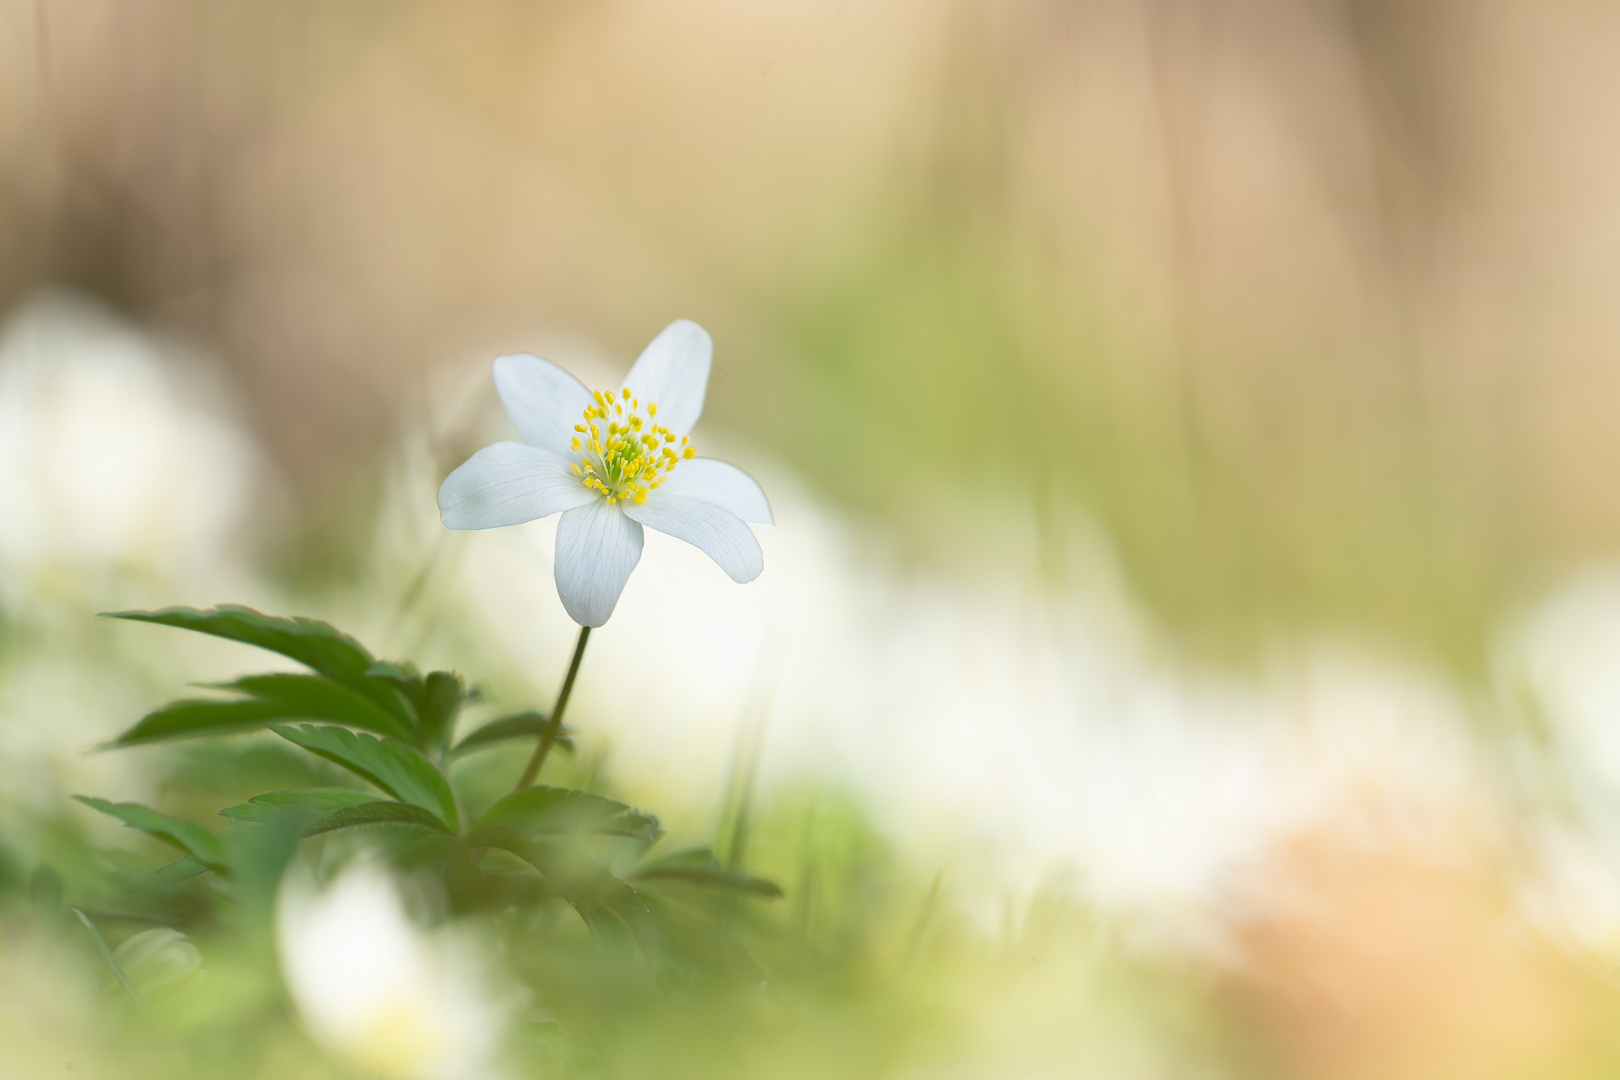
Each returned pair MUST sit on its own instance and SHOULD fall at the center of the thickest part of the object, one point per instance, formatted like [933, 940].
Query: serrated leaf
[538, 811]
[401, 673]
[319, 801]
[437, 706]
[314, 697]
[313, 643]
[698, 866]
[277, 696]
[580, 880]
[378, 813]
[182, 868]
[200, 716]
[611, 931]
[400, 770]
[523, 725]
[193, 840]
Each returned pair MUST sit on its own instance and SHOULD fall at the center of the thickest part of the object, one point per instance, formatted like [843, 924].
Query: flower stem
[549, 736]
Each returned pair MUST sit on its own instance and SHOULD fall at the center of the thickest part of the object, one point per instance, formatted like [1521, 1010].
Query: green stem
[554, 728]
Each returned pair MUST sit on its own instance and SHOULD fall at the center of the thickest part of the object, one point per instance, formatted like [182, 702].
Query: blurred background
[1190, 641]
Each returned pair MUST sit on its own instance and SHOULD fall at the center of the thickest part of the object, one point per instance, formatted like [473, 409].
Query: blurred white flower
[1564, 656]
[377, 992]
[611, 462]
[105, 463]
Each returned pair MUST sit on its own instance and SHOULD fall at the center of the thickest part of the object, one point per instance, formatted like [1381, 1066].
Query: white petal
[723, 484]
[543, 400]
[674, 372]
[507, 484]
[714, 530]
[597, 547]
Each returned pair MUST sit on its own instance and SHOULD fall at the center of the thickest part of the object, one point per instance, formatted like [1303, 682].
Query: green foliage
[332, 808]
[698, 866]
[395, 730]
[523, 725]
[399, 770]
[192, 840]
[349, 686]
[539, 811]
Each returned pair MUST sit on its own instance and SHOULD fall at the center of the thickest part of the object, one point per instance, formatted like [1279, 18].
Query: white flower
[377, 992]
[611, 462]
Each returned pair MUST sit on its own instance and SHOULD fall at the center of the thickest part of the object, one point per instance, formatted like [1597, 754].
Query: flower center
[623, 451]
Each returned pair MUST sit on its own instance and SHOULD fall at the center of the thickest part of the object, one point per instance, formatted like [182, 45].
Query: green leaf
[377, 813]
[401, 674]
[698, 866]
[312, 697]
[182, 868]
[541, 810]
[400, 770]
[313, 643]
[523, 725]
[580, 880]
[319, 801]
[278, 696]
[199, 716]
[332, 808]
[437, 706]
[112, 961]
[193, 840]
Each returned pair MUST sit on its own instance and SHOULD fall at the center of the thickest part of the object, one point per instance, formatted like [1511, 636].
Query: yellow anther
[574, 446]
[689, 453]
[634, 457]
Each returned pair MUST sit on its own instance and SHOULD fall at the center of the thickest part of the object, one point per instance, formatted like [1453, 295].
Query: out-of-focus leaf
[611, 930]
[537, 811]
[314, 697]
[400, 770]
[112, 961]
[523, 725]
[438, 705]
[698, 866]
[278, 696]
[313, 643]
[200, 716]
[580, 880]
[182, 868]
[435, 699]
[401, 673]
[378, 813]
[46, 893]
[319, 801]
[193, 840]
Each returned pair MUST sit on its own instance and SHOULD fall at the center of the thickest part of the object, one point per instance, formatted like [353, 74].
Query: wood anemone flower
[611, 462]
